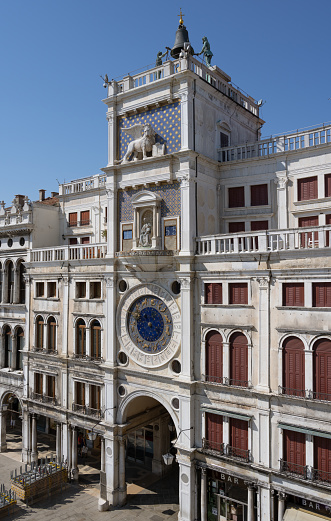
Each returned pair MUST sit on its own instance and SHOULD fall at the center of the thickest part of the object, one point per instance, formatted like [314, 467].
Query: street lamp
[168, 458]
[92, 435]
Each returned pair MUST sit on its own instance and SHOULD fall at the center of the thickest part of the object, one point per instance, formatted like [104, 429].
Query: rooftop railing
[83, 185]
[265, 241]
[277, 144]
[63, 253]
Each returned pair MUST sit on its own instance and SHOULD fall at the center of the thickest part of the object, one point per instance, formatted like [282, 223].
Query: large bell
[181, 38]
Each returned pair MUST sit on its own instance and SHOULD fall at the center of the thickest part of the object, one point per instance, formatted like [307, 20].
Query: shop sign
[314, 506]
[228, 478]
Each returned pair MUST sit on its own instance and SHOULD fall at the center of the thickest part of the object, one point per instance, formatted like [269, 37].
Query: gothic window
[293, 367]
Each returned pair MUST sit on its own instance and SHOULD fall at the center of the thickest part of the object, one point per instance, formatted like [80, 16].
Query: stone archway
[10, 418]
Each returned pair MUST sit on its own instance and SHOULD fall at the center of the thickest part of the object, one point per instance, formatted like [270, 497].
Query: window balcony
[238, 454]
[321, 476]
[298, 393]
[221, 449]
[223, 380]
[293, 469]
[85, 222]
[77, 407]
[211, 446]
[43, 399]
[88, 411]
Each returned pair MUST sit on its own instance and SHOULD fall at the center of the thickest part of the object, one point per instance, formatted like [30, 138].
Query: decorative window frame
[142, 202]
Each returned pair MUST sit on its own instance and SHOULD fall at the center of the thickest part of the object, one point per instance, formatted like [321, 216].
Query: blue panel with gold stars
[165, 121]
[170, 204]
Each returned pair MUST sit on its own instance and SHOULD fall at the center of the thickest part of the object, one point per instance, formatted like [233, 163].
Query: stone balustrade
[265, 241]
[212, 75]
[63, 253]
[278, 144]
[83, 185]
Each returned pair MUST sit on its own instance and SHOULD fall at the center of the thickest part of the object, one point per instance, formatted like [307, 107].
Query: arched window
[322, 369]
[80, 338]
[8, 346]
[95, 339]
[22, 284]
[39, 344]
[51, 334]
[293, 367]
[20, 347]
[10, 282]
[238, 360]
[214, 357]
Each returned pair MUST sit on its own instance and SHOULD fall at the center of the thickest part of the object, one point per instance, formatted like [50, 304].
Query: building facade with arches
[182, 304]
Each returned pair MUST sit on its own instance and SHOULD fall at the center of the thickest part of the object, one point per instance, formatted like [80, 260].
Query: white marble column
[69, 439]
[188, 213]
[65, 314]
[203, 494]
[281, 505]
[250, 506]
[282, 209]
[26, 433]
[187, 345]
[264, 334]
[111, 220]
[74, 455]
[58, 443]
[186, 487]
[122, 482]
[34, 446]
[112, 469]
[109, 347]
[102, 450]
[112, 135]
[3, 429]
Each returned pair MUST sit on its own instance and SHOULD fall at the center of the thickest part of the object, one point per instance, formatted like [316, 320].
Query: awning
[296, 514]
[236, 415]
[313, 432]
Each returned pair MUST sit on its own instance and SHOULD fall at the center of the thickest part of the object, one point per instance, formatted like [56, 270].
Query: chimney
[20, 199]
[42, 195]
[54, 194]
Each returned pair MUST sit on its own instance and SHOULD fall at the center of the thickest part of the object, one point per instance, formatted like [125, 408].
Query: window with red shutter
[327, 180]
[73, 219]
[213, 293]
[307, 238]
[236, 197]
[322, 369]
[293, 294]
[322, 459]
[214, 431]
[327, 232]
[85, 218]
[293, 367]
[307, 188]
[238, 293]
[214, 357]
[238, 360]
[295, 451]
[259, 195]
[322, 294]
[236, 227]
[85, 240]
[73, 241]
[238, 438]
[257, 226]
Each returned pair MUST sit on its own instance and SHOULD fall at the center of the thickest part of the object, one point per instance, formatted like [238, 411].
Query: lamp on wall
[92, 435]
[168, 458]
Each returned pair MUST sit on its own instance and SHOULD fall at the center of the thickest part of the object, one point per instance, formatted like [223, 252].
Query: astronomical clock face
[148, 322]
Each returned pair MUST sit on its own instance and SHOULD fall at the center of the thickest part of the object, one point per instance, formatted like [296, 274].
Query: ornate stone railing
[83, 185]
[63, 253]
[277, 144]
[265, 241]
[212, 75]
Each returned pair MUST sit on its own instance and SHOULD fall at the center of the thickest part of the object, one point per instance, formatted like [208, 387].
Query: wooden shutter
[236, 197]
[213, 293]
[294, 366]
[73, 219]
[236, 227]
[238, 293]
[85, 240]
[322, 294]
[328, 232]
[259, 195]
[238, 360]
[214, 357]
[85, 217]
[239, 434]
[322, 369]
[293, 294]
[322, 457]
[214, 430]
[295, 451]
[259, 225]
[327, 185]
[307, 188]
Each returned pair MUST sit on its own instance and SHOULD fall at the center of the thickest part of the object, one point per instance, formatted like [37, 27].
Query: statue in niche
[144, 139]
[206, 51]
[145, 234]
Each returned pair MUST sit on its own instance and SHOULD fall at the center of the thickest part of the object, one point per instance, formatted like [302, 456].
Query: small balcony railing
[299, 393]
[95, 413]
[86, 358]
[316, 395]
[43, 399]
[239, 454]
[36, 396]
[224, 380]
[294, 469]
[321, 476]
[77, 407]
[85, 222]
[213, 447]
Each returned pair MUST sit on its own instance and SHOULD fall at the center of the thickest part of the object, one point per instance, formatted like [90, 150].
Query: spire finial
[181, 21]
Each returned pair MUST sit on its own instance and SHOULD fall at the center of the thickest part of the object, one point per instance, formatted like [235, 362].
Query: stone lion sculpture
[144, 139]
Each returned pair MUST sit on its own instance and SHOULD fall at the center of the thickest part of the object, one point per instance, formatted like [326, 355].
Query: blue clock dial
[150, 324]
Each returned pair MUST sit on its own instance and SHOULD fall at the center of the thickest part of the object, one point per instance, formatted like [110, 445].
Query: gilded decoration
[170, 204]
[164, 120]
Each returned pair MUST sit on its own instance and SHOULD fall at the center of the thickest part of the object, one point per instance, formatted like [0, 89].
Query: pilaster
[264, 334]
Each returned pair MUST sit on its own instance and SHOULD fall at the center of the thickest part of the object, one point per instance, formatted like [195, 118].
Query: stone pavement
[148, 500]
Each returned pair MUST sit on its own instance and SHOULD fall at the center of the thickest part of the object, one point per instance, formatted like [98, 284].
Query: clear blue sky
[53, 123]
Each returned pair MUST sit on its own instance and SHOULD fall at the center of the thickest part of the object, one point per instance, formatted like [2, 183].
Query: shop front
[230, 498]
[306, 509]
